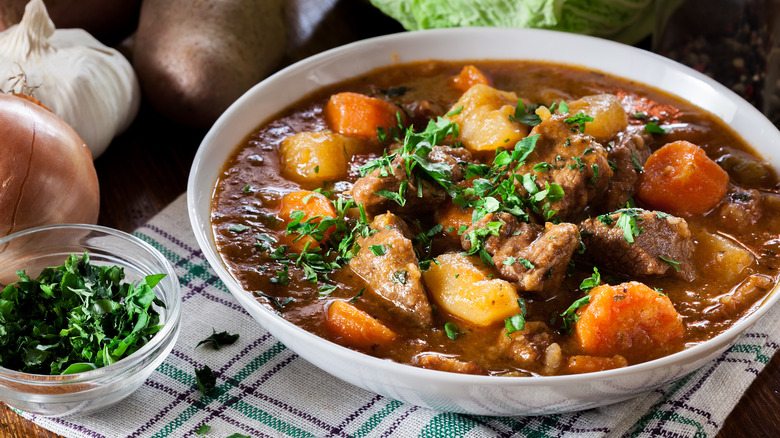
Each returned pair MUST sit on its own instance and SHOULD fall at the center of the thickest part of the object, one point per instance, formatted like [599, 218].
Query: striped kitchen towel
[266, 390]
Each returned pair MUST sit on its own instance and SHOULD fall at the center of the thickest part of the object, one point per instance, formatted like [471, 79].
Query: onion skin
[46, 171]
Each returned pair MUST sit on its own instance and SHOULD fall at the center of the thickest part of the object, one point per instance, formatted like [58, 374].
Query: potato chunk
[730, 258]
[484, 121]
[629, 319]
[459, 286]
[316, 157]
[608, 114]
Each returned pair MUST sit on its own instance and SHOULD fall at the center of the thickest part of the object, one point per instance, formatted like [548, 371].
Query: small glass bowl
[33, 250]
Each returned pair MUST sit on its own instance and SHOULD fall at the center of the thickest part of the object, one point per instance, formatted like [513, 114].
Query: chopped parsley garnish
[455, 111]
[516, 323]
[358, 295]
[205, 379]
[412, 157]
[400, 277]
[579, 120]
[203, 429]
[654, 128]
[635, 159]
[477, 237]
[377, 250]
[452, 330]
[673, 263]
[217, 340]
[75, 317]
[276, 302]
[238, 228]
[526, 115]
[569, 316]
[627, 220]
[326, 289]
[591, 282]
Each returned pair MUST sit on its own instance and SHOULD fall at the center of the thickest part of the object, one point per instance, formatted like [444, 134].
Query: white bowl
[483, 395]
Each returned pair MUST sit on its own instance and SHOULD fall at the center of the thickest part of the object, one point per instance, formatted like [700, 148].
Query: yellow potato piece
[461, 287]
[484, 121]
[608, 114]
[730, 257]
[316, 157]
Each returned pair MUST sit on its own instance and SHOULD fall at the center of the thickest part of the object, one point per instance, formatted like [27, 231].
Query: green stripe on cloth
[449, 425]
[377, 418]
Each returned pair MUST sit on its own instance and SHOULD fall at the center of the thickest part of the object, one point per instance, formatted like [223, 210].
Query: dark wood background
[146, 168]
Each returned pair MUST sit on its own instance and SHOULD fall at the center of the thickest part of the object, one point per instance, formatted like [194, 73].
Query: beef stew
[501, 218]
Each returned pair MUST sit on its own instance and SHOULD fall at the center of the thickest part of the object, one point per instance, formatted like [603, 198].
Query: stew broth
[735, 243]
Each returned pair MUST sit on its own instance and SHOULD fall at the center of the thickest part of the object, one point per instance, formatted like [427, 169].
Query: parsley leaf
[591, 282]
[673, 263]
[217, 340]
[570, 314]
[516, 323]
[205, 379]
[452, 330]
[579, 120]
[654, 128]
[526, 115]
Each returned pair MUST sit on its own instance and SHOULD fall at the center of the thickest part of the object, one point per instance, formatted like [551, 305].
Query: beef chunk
[660, 237]
[443, 362]
[566, 157]
[743, 208]
[421, 195]
[423, 111]
[627, 155]
[533, 348]
[532, 256]
[387, 263]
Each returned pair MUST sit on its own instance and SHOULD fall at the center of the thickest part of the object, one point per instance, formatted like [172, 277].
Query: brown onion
[46, 171]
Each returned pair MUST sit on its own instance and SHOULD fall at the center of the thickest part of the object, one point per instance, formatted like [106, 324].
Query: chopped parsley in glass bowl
[86, 314]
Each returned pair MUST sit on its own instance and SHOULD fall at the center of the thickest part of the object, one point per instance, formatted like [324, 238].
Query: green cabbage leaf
[627, 21]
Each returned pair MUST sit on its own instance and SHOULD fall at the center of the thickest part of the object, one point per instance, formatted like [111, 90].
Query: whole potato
[195, 57]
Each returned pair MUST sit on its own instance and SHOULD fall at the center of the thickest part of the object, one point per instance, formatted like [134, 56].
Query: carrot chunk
[452, 218]
[315, 207]
[360, 115]
[629, 319]
[680, 179]
[356, 328]
[467, 77]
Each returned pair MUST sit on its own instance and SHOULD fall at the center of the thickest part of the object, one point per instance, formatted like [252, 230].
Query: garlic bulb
[89, 85]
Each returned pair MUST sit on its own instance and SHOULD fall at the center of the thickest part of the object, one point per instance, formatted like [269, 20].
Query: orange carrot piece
[356, 328]
[681, 179]
[452, 218]
[629, 319]
[313, 204]
[467, 77]
[589, 364]
[359, 115]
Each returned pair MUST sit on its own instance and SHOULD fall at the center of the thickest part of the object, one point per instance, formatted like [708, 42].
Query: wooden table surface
[146, 168]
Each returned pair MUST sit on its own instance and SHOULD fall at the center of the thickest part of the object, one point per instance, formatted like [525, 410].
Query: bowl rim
[167, 333]
[206, 243]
